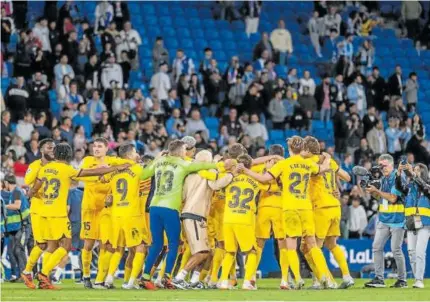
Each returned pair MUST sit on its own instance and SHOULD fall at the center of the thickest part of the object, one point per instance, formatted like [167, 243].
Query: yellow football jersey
[295, 174]
[241, 197]
[29, 179]
[323, 186]
[56, 178]
[144, 188]
[95, 192]
[272, 197]
[125, 191]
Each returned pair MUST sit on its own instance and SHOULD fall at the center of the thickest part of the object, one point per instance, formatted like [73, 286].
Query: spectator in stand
[103, 125]
[41, 32]
[68, 10]
[330, 49]
[411, 91]
[213, 93]
[369, 120]
[161, 82]
[355, 133]
[39, 99]
[25, 127]
[182, 65]
[366, 57]
[340, 129]
[332, 20]
[307, 81]
[415, 146]
[282, 42]
[79, 140]
[395, 83]
[91, 73]
[6, 128]
[109, 35]
[411, 13]
[196, 91]
[111, 71]
[253, 102]
[17, 145]
[22, 62]
[73, 98]
[377, 140]
[71, 48]
[8, 28]
[104, 15]
[234, 69]
[232, 124]
[172, 101]
[262, 45]
[277, 111]
[358, 219]
[196, 124]
[251, 11]
[364, 153]
[237, 92]
[41, 64]
[205, 65]
[62, 69]
[345, 216]
[131, 41]
[66, 130]
[83, 119]
[378, 91]
[308, 103]
[397, 109]
[174, 122]
[40, 127]
[108, 50]
[63, 90]
[324, 98]
[357, 95]
[17, 98]
[394, 135]
[315, 32]
[95, 107]
[54, 35]
[256, 131]
[354, 24]
[338, 93]
[33, 153]
[159, 53]
[121, 13]
[417, 124]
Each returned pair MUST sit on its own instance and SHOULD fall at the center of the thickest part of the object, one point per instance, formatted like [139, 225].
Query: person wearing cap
[161, 82]
[111, 71]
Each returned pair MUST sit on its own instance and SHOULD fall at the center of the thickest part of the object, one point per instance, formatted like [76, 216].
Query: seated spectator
[25, 127]
[82, 118]
[307, 81]
[17, 99]
[39, 99]
[256, 130]
[159, 53]
[332, 20]
[282, 42]
[195, 124]
[33, 153]
[264, 44]
[161, 82]
[277, 111]
[95, 107]
[182, 65]
[111, 71]
[62, 69]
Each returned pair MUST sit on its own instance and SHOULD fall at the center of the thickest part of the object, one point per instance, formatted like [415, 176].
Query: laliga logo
[354, 257]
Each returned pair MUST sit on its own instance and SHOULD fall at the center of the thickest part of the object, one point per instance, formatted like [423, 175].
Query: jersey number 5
[54, 184]
[248, 195]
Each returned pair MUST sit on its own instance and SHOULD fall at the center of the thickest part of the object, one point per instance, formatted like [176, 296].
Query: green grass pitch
[268, 290]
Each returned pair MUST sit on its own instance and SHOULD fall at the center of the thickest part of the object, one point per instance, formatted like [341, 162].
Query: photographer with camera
[391, 214]
[417, 211]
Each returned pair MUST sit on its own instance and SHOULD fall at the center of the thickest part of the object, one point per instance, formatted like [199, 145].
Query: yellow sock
[162, 268]
[283, 259]
[216, 264]
[250, 266]
[293, 261]
[259, 253]
[86, 263]
[227, 263]
[339, 255]
[203, 274]
[311, 263]
[55, 258]
[137, 265]
[45, 258]
[320, 264]
[103, 267]
[185, 257]
[127, 273]
[35, 254]
[114, 262]
[233, 275]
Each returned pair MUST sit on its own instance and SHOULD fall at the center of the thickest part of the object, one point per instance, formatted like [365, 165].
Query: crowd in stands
[72, 76]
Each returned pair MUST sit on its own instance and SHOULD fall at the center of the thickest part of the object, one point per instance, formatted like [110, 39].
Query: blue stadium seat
[197, 33]
[290, 132]
[276, 135]
[317, 124]
[230, 46]
[213, 133]
[211, 34]
[172, 43]
[168, 32]
[180, 22]
[150, 21]
[186, 43]
[221, 56]
[176, 11]
[216, 45]
[165, 21]
[147, 9]
[200, 44]
[204, 111]
[212, 122]
[226, 35]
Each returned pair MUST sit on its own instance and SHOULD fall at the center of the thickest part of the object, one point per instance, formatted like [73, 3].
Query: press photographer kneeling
[391, 214]
[417, 210]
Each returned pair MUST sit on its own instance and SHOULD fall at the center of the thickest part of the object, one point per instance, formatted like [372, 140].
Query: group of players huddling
[207, 207]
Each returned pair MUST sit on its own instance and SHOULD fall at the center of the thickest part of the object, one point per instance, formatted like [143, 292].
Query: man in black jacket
[323, 88]
[23, 57]
[39, 99]
[378, 89]
[369, 120]
[415, 147]
[395, 83]
[363, 153]
[16, 99]
[340, 129]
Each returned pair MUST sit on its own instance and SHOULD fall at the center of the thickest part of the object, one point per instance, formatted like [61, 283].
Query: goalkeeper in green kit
[170, 172]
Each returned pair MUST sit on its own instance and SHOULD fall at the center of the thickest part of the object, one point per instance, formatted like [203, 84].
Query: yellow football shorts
[269, 219]
[55, 228]
[328, 222]
[299, 223]
[239, 235]
[128, 231]
[90, 227]
[36, 228]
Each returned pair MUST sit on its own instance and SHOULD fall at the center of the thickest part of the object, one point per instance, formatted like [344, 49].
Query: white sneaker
[99, 286]
[418, 284]
[332, 285]
[127, 286]
[248, 286]
[158, 283]
[284, 285]
[224, 285]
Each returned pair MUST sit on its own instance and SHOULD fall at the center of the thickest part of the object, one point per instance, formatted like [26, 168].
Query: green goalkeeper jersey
[170, 173]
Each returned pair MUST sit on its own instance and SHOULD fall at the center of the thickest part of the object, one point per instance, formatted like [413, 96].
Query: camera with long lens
[370, 177]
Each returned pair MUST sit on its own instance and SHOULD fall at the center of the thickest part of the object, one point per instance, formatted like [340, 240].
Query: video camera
[370, 177]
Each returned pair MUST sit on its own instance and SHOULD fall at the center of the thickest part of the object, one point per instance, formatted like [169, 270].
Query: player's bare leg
[194, 261]
[105, 255]
[34, 256]
[87, 256]
[205, 270]
[338, 254]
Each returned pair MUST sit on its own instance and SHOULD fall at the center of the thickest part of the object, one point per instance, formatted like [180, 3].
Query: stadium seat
[276, 134]
[212, 122]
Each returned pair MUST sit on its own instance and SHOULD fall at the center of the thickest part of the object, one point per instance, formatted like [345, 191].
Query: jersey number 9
[122, 188]
[247, 196]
